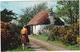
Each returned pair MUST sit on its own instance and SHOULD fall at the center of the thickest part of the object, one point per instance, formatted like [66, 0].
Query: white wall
[34, 29]
[41, 28]
[38, 28]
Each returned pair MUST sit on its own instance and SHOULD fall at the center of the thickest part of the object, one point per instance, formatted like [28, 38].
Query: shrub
[66, 35]
[72, 34]
[54, 35]
[9, 35]
[49, 27]
[51, 37]
[5, 34]
[62, 31]
[78, 41]
[4, 25]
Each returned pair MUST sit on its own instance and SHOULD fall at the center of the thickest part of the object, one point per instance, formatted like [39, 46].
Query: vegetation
[20, 48]
[68, 11]
[9, 35]
[30, 12]
[5, 34]
[7, 15]
[63, 36]
[67, 36]
[59, 43]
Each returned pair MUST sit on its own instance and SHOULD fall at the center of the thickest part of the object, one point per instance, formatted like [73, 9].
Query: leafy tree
[68, 10]
[7, 15]
[30, 12]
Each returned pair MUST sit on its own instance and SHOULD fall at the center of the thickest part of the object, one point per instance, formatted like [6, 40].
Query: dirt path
[36, 47]
[48, 44]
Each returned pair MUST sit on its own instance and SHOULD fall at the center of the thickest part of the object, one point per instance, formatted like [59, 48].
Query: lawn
[20, 49]
[59, 43]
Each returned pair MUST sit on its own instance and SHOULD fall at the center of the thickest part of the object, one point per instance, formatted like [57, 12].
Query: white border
[38, 0]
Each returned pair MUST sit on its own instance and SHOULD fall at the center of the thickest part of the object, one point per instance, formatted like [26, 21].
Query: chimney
[51, 18]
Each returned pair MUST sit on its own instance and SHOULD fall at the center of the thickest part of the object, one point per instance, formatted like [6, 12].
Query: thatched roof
[40, 18]
[43, 18]
[58, 21]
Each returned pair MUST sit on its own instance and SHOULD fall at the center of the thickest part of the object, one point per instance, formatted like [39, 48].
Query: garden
[67, 37]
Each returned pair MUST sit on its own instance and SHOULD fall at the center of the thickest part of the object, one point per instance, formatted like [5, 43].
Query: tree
[7, 15]
[68, 10]
[30, 12]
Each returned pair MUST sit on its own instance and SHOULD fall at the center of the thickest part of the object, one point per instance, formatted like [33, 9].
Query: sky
[16, 6]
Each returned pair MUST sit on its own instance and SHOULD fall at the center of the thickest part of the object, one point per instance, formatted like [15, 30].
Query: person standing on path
[24, 36]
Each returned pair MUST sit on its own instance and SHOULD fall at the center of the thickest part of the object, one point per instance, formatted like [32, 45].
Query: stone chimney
[51, 18]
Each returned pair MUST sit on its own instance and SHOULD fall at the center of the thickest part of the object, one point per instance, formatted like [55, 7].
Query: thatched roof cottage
[41, 19]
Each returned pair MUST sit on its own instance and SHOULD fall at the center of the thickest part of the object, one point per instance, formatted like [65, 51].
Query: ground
[40, 43]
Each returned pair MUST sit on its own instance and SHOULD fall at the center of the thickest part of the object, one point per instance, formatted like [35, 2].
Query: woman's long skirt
[24, 39]
[27, 39]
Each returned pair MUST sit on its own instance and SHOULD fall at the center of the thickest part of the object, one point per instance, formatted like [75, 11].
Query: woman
[24, 36]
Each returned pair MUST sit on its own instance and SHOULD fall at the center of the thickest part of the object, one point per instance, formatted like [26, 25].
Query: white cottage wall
[41, 28]
[38, 29]
[34, 29]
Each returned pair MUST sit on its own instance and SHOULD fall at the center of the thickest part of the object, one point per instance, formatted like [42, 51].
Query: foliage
[59, 43]
[72, 34]
[62, 31]
[15, 29]
[78, 41]
[51, 37]
[7, 15]
[68, 10]
[49, 27]
[67, 36]
[9, 36]
[5, 32]
[30, 12]
[54, 35]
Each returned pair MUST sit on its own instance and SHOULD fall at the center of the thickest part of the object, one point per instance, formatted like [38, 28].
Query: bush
[66, 35]
[5, 34]
[51, 37]
[78, 41]
[49, 27]
[62, 31]
[54, 35]
[15, 39]
[72, 34]
[9, 35]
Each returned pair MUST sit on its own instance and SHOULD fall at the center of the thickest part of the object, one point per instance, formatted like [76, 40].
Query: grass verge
[20, 49]
[43, 46]
[59, 43]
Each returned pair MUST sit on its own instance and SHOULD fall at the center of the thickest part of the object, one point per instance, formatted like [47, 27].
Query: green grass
[20, 49]
[59, 43]
[41, 37]
[42, 46]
